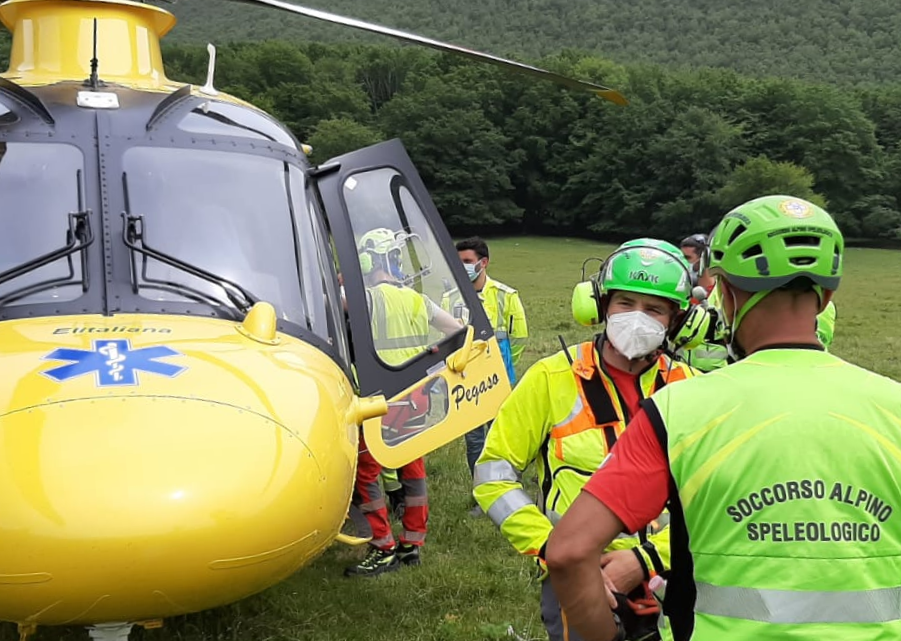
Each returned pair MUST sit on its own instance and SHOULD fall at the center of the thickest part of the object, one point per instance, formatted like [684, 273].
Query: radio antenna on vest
[565, 349]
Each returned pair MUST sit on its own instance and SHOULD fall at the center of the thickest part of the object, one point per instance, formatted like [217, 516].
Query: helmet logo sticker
[648, 255]
[643, 276]
[796, 209]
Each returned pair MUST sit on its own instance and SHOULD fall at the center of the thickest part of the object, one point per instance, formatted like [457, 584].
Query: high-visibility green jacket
[567, 417]
[787, 467]
[712, 353]
[504, 310]
[826, 325]
[399, 317]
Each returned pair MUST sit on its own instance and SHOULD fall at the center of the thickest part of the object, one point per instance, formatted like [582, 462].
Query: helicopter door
[420, 335]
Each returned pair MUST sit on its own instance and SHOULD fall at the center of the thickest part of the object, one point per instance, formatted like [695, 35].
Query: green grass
[472, 586]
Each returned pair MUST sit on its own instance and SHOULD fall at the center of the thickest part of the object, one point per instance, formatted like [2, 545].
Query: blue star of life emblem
[113, 362]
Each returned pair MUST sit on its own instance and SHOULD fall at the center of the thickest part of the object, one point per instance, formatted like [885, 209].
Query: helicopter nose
[115, 509]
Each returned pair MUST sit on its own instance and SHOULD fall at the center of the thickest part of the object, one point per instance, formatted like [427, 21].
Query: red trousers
[369, 498]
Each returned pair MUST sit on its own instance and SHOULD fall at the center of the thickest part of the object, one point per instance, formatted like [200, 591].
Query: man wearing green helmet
[400, 318]
[781, 471]
[568, 411]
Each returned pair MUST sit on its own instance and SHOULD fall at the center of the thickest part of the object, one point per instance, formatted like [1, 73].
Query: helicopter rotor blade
[571, 83]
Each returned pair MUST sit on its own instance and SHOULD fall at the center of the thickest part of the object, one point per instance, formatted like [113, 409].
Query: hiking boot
[408, 554]
[376, 562]
[476, 512]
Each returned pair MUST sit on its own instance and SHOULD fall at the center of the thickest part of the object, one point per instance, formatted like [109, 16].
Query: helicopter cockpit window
[223, 119]
[45, 228]
[223, 229]
[409, 284]
[7, 116]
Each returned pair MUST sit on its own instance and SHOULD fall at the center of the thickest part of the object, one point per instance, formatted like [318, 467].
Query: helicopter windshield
[7, 117]
[223, 119]
[40, 185]
[241, 217]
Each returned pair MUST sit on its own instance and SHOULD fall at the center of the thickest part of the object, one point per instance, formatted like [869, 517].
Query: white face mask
[635, 334]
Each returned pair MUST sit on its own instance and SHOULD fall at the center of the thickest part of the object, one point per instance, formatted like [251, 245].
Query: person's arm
[573, 551]
[624, 495]
[627, 567]
[517, 328]
[441, 320]
[514, 440]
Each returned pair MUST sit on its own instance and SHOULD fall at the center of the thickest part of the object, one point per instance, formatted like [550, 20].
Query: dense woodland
[503, 153]
[830, 40]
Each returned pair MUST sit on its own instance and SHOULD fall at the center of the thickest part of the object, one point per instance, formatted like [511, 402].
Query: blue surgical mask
[472, 271]
[397, 272]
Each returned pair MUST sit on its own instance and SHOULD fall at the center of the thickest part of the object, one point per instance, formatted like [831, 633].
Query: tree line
[843, 41]
[503, 153]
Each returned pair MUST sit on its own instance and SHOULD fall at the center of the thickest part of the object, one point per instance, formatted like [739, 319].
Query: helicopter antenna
[94, 82]
[571, 83]
[208, 88]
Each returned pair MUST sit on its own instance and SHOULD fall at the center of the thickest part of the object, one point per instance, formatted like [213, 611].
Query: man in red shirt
[698, 445]
[570, 408]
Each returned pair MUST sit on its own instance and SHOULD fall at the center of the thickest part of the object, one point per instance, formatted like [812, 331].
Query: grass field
[472, 586]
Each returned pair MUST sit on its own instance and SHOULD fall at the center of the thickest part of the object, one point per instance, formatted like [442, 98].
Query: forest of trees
[503, 153]
[845, 41]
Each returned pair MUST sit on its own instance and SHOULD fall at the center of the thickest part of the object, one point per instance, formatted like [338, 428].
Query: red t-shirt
[627, 386]
[634, 480]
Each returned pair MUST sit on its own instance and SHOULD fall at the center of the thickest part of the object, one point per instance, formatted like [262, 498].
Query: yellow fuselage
[180, 492]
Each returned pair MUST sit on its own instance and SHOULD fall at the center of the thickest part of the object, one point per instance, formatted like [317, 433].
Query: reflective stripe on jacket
[549, 417]
[399, 317]
[504, 310]
[786, 466]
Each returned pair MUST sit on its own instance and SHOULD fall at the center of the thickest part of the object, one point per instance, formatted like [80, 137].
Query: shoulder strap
[596, 394]
[681, 591]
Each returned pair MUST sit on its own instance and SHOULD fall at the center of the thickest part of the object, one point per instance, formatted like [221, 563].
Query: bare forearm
[444, 322]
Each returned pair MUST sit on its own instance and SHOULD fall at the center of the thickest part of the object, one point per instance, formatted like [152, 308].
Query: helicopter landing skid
[110, 631]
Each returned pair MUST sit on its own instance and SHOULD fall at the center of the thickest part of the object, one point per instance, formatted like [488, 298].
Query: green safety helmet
[768, 242]
[691, 329]
[380, 241]
[647, 268]
[660, 244]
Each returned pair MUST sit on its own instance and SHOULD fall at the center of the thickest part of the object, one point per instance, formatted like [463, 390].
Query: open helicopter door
[433, 355]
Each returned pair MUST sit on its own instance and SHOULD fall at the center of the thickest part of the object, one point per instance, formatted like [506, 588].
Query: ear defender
[365, 262]
[691, 329]
[586, 304]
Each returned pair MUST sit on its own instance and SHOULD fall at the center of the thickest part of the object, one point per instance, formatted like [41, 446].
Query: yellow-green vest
[400, 322]
[787, 467]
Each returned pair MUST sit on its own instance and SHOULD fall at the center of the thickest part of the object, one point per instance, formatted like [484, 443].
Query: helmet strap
[736, 349]
[821, 295]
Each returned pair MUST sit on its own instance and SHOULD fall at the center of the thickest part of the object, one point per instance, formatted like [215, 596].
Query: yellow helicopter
[179, 411]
